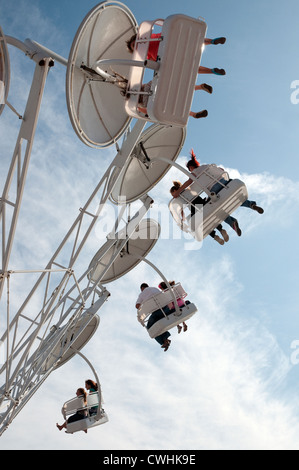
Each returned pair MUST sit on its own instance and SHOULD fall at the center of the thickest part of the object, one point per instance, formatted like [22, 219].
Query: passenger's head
[162, 285]
[175, 187]
[82, 392]
[91, 384]
[143, 286]
[131, 43]
[192, 163]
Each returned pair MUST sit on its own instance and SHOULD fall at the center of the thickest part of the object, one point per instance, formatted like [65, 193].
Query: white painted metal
[21, 380]
[37, 340]
[19, 165]
[31, 354]
[50, 353]
[4, 71]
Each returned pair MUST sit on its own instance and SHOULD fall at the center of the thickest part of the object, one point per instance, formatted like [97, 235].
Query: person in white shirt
[145, 294]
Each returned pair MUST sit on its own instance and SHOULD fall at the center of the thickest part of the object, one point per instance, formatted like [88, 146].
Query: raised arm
[181, 188]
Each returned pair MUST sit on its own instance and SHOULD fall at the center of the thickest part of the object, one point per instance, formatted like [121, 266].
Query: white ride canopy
[145, 168]
[96, 109]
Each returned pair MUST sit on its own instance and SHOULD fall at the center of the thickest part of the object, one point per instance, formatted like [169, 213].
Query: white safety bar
[217, 208]
[207, 180]
[90, 415]
[160, 301]
[77, 404]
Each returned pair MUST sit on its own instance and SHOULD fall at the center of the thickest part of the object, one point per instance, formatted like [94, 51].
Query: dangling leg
[200, 114]
[214, 41]
[223, 232]
[204, 87]
[252, 205]
[215, 70]
[61, 426]
[216, 238]
[163, 340]
[234, 224]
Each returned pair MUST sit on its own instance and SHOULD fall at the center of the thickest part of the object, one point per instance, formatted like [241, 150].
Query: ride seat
[226, 202]
[172, 88]
[86, 423]
[158, 302]
[215, 211]
[172, 320]
[73, 405]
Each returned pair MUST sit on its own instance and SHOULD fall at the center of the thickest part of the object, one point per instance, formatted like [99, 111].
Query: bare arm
[181, 188]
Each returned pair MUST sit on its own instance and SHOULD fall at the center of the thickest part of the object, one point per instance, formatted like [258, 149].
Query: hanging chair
[170, 317]
[168, 96]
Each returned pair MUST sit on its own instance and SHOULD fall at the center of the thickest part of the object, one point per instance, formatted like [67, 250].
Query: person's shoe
[207, 88]
[201, 114]
[219, 240]
[179, 328]
[237, 228]
[224, 234]
[218, 41]
[217, 71]
[166, 344]
[258, 209]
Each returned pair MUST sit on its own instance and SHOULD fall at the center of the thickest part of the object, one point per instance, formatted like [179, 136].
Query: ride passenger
[146, 293]
[92, 387]
[153, 48]
[80, 413]
[180, 302]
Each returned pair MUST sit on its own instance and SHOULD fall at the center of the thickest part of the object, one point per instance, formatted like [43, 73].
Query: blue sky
[230, 382]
